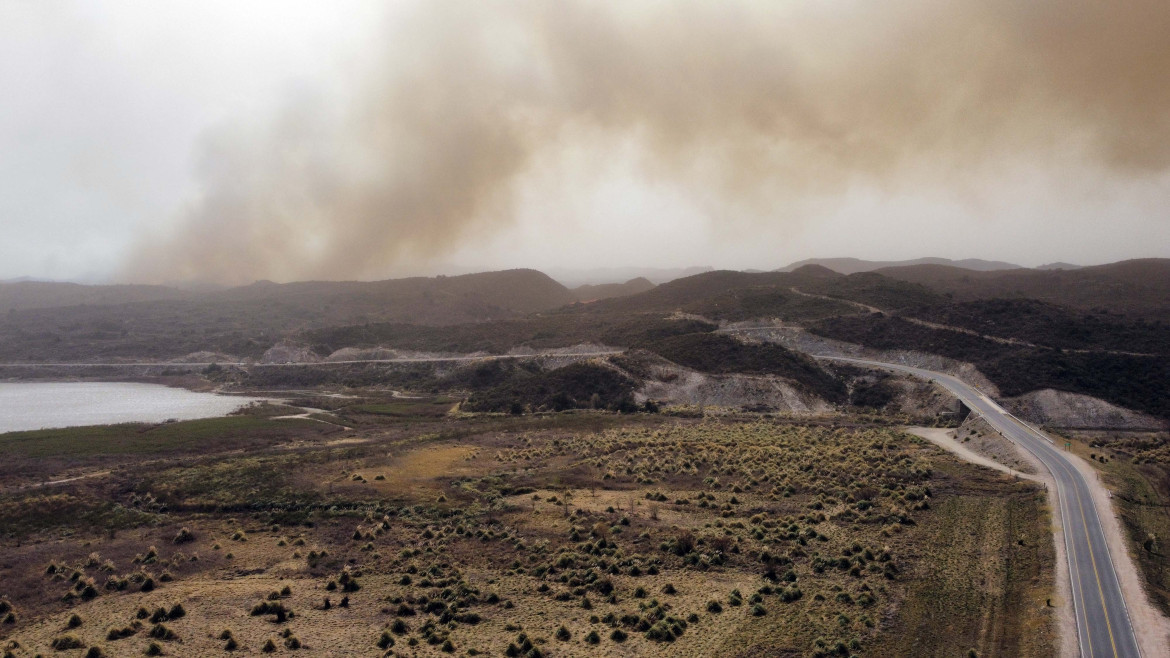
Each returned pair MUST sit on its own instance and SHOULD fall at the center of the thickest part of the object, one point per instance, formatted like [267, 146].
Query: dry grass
[496, 534]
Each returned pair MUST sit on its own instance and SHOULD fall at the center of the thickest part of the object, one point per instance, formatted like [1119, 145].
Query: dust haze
[752, 107]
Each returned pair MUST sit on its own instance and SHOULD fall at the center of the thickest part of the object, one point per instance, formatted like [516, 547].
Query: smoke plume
[756, 105]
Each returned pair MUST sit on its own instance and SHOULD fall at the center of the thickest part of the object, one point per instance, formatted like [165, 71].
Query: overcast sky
[230, 141]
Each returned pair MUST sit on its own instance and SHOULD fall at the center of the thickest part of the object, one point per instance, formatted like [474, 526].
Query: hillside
[438, 300]
[721, 354]
[1080, 339]
[594, 292]
[731, 296]
[580, 385]
[1135, 287]
[549, 330]
[855, 265]
[248, 320]
[1133, 382]
[20, 295]
[1049, 325]
[602, 275]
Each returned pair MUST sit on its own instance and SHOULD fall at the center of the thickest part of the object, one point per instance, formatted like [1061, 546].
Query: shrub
[95, 652]
[154, 649]
[118, 633]
[563, 634]
[74, 621]
[269, 646]
[271, 608]
[184, 535]
[66, 642]
[592, 638]
[618, 635]
[759, 610]
[714, 607]
[791, 593]
[684, 542]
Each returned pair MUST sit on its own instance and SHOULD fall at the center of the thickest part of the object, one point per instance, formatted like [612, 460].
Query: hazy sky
[230, 141]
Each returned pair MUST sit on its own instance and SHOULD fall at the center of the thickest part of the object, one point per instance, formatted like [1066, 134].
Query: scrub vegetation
[574, 533]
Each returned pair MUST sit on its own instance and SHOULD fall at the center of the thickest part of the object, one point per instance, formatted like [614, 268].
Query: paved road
[1103, 625]
[420, 359]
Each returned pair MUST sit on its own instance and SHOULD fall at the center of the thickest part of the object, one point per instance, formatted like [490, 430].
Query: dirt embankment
[976, 435]
[674, 384]
[1076, 411]
[289, 353]
[796, 338]
[915, 397]
[1044, 407]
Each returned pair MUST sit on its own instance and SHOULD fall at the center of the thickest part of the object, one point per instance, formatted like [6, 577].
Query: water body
[33, 406]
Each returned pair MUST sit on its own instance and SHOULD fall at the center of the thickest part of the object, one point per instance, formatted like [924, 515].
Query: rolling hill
[248, 320]
[1135, 287]
[855, 265]
[20, 295]
[594, 292]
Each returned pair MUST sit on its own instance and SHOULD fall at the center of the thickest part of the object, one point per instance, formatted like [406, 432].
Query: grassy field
[992, 559]
[409, 408]
[582, 533]
[138, 438]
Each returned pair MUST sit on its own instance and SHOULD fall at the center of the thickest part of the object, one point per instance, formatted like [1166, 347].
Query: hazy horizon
[290, 141]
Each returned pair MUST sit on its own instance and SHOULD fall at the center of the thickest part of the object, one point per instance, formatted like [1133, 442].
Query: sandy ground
[1065, 615]
[945, 439]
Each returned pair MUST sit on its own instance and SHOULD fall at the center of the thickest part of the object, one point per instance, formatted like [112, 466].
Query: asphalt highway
[290, 364]
[1103, 624]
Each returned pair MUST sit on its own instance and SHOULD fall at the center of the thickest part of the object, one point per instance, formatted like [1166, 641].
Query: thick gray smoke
[757, 105]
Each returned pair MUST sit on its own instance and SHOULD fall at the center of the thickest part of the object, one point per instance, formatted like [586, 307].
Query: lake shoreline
[55, 404]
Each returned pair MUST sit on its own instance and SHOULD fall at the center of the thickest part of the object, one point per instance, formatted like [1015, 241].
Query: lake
[38, 405]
